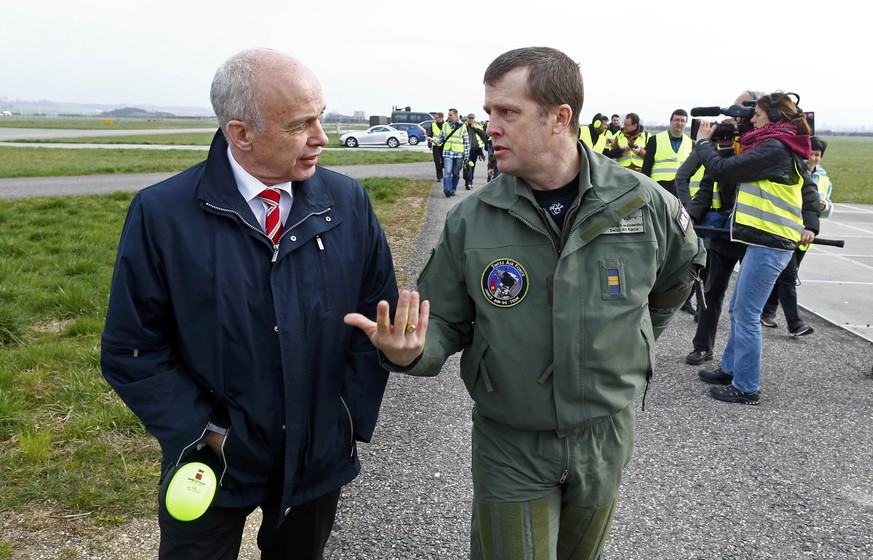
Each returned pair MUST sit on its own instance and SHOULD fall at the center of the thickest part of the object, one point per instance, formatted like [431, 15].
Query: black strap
[450, 135]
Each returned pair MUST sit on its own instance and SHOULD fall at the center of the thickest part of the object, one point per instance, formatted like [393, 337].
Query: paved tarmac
[788, 479]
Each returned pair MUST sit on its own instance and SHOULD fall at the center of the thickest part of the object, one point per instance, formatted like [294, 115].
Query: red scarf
[780, 130]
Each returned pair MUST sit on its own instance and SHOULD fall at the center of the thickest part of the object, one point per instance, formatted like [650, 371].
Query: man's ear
[562, 118]
[238, 134]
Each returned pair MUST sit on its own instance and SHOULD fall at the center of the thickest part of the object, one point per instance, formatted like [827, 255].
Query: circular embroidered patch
[504, 283]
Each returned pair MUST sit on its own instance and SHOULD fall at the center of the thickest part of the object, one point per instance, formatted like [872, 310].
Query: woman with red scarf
[776, 209]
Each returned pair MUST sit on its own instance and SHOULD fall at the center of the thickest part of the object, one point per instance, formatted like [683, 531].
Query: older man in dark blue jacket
[225, 331]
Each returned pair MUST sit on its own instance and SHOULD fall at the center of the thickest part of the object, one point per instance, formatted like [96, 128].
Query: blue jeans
[742, 354]
[451, 173]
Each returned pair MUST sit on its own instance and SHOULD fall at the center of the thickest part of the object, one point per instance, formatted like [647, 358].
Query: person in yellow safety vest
[629, 145]
[777, 208]
[456, 151]
[595, 134]
[666, 151]
[785, 290]
[614, 124]
[478, 141]
[712, 204]
[433, 133]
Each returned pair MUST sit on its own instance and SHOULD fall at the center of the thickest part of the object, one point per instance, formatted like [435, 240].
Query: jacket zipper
[259, 230]
[536, 229]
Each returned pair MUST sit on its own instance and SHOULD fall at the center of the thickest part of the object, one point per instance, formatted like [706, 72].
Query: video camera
[725, 130]
[743, 115]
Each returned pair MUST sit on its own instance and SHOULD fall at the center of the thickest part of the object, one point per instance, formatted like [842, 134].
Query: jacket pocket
[473, 368]
[351, 424]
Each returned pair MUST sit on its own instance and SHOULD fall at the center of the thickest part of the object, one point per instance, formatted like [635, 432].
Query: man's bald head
[240, 82]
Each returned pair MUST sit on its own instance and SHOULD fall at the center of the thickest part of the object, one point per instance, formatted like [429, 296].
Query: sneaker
[731, 394]
[803, 330]
[468, 187]
[697, 357]
[769, 321]
[687, 307]
[716, 377]
[447, 193]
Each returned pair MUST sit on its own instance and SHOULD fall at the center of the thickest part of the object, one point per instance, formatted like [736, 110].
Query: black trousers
[438, 161]
[218, 534]
[721, 266]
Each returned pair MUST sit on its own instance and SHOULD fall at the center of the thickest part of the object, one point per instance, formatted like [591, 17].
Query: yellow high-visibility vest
[667, 162]
[771, 207]
[455, 143]
[629, 157]
[585, 136]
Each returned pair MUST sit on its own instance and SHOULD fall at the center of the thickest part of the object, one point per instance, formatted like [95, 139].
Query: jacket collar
[219, 188]
[599, 180]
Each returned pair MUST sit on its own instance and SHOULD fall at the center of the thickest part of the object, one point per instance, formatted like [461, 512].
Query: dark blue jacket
[206, 323]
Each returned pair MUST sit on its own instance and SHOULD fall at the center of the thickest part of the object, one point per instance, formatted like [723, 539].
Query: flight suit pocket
[473, 367]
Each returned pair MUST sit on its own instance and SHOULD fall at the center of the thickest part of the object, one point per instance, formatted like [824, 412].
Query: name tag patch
[632, 223]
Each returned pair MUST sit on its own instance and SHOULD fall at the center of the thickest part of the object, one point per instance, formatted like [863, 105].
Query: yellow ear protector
[188, 490]
[598, 120]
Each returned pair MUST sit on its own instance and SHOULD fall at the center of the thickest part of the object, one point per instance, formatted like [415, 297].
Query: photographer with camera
[776, 209]
[707, 199]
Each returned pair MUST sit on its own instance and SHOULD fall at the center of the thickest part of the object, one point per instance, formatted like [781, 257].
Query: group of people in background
[736, 188]
[457, 145]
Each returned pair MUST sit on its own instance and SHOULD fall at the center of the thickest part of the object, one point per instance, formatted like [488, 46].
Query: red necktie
[273, 224]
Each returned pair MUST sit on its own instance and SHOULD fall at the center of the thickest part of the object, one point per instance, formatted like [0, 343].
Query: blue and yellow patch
[613, 281]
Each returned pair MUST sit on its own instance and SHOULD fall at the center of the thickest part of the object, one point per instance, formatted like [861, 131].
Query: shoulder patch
[683, 220]
[504, 283]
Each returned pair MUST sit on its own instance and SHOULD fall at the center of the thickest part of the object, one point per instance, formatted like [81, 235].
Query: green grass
[846, 160]
[181, 139]
[54, 162]
[177, 139]
[67, 442]
[97, 124]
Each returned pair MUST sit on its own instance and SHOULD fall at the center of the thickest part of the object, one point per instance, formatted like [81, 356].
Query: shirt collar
[250, 187]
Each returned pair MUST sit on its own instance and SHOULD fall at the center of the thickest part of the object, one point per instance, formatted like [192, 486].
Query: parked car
[375, 135]
[410, 117]
[415, 132]
[426, 125]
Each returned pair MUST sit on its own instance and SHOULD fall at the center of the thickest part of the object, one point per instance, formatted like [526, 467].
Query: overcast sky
[648, 57]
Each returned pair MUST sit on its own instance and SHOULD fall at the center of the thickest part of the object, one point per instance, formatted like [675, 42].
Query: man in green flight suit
[555, 281]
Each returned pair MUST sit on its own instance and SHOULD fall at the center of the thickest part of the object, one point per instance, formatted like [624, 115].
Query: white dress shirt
[249, 187]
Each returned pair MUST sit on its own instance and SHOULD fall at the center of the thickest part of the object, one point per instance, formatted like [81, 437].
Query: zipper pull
[564, 475]
[275, 252]
[320, 244]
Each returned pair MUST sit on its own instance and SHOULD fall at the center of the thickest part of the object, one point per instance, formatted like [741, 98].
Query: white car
[375, 136]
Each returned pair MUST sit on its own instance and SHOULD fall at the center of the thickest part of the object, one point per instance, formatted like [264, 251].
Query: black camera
[725, 130]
